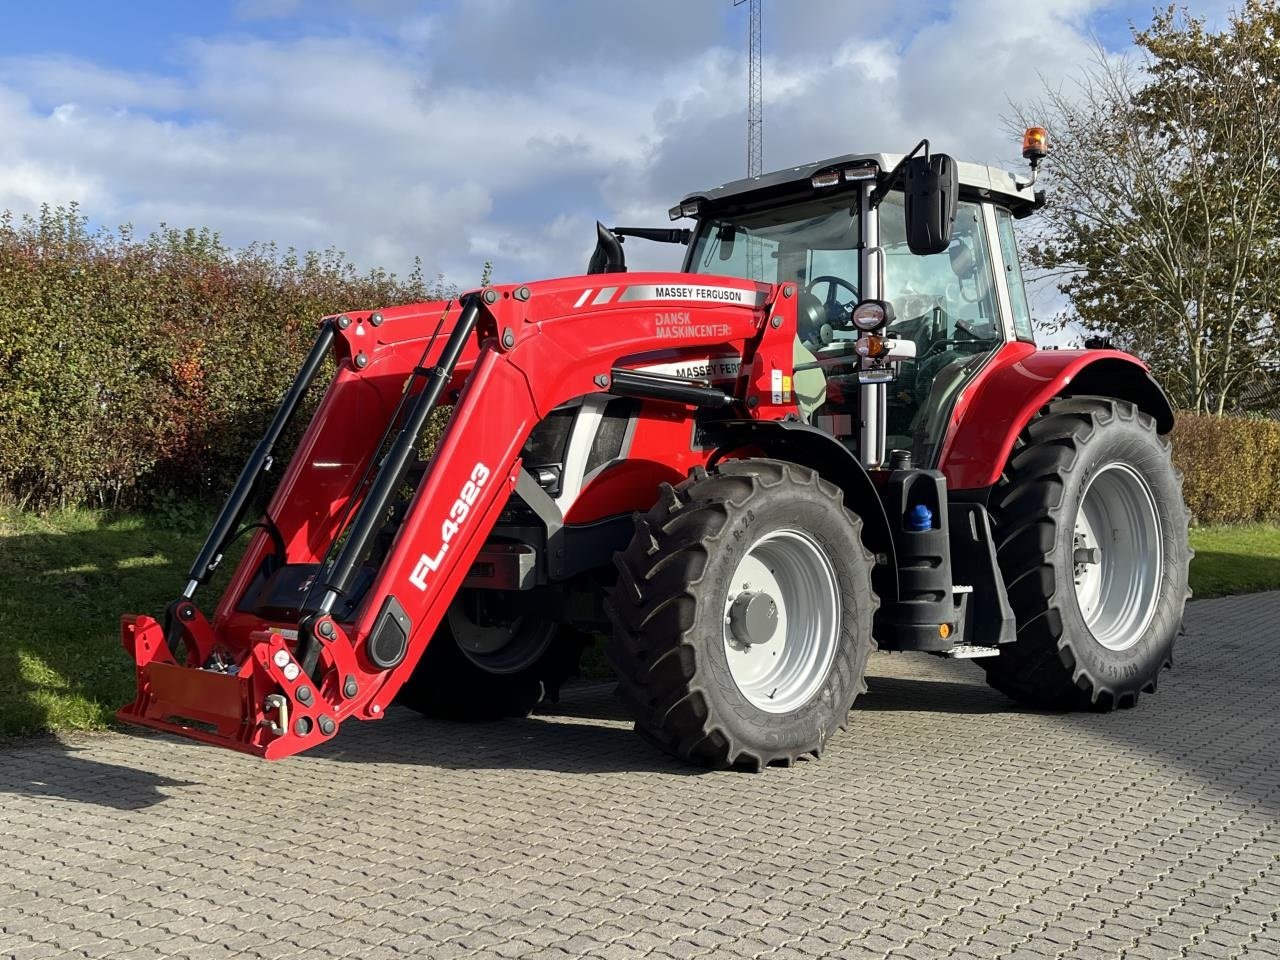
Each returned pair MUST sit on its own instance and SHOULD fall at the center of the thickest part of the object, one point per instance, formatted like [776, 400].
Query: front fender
[1012, 389]
[810, 447]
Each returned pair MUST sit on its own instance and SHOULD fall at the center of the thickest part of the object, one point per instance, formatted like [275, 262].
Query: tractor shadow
[898, 694]
[589, 731]
[586, 732]
[49, 768]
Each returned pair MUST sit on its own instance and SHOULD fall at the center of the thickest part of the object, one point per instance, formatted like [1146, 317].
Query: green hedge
[137, 368]
[1231, 467]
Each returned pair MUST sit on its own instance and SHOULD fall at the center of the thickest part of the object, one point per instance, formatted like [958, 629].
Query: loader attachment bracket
[264, 705]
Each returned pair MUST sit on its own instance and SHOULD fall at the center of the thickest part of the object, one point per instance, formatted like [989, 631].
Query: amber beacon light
[1035, 145]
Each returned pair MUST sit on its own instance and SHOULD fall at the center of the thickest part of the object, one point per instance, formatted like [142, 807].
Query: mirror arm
[657, 234]
[895, 175]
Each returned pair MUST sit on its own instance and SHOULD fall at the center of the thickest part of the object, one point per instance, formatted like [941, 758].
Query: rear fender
[810, 447]
[1017, 384]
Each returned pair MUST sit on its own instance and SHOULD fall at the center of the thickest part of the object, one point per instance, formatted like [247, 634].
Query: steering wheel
[835, 310]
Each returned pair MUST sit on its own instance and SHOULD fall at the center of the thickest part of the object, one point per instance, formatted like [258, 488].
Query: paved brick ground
[943, 823]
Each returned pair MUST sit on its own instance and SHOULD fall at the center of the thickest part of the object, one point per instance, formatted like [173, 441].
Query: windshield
[801, 242]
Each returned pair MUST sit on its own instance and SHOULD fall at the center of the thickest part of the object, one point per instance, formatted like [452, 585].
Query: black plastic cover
[608, 256]
[931, 185]
[389, 638]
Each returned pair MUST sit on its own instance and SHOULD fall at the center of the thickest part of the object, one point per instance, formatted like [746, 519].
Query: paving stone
[945, 822]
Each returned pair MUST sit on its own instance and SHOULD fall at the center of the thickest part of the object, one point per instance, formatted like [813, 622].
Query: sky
[465, 131]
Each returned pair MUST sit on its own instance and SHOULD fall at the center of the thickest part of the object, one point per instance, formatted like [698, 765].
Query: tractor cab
[841, 229]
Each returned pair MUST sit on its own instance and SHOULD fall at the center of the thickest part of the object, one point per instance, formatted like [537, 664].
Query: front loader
[830, 431]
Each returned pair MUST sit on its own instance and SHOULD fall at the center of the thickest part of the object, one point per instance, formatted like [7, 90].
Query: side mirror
[931, 188]
[608, 256]
[727, 235]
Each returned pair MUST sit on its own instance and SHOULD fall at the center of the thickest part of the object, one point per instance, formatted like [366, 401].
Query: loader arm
[505, 357]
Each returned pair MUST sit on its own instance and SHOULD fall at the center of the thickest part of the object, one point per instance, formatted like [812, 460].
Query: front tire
[1091, 534]
[468, 673]
[742, 615]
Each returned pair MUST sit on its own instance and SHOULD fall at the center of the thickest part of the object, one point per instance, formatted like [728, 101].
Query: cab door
[954, 307]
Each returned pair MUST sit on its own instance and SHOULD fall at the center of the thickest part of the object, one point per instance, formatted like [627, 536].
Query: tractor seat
[810, 386]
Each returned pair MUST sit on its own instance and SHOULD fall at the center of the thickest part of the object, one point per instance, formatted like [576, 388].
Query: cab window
[799, 243]
[1022, 325]
[946, 305]
[948, 296]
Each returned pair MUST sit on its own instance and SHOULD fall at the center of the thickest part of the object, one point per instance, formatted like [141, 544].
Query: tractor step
[970, 651]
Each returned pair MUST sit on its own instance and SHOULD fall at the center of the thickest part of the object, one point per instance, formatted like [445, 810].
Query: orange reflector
[1035, 143]
[869, 346]
[944, 630]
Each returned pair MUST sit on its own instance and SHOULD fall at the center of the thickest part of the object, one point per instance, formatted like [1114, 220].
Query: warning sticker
[780, 384]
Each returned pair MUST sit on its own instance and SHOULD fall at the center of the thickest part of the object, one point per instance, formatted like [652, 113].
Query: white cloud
[501, 129]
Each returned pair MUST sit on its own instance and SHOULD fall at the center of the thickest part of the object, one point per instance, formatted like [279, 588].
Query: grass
[1229, 559]
[65, 578]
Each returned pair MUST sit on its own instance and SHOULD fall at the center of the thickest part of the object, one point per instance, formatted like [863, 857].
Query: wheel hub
[782, 619]
[753, 617]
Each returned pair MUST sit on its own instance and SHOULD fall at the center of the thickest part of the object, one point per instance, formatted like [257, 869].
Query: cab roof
[988, 183]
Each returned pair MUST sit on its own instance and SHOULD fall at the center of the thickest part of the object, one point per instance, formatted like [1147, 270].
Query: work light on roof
[864, 171]
[689, 209]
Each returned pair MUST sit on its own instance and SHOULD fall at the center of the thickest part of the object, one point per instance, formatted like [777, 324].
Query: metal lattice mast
[755, 123]
[755, 97]
[755, 105]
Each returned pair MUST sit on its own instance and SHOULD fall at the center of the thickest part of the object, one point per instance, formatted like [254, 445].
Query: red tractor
[831, 431]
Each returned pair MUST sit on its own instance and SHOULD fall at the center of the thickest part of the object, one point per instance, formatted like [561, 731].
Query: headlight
[872, 315]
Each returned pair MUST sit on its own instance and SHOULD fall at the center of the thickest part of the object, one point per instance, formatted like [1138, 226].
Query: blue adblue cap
[919, 518]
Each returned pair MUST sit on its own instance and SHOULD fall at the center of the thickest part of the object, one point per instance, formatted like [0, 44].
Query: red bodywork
[566, 336]
[1008, 392]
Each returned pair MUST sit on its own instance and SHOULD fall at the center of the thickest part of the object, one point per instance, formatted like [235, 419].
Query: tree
[1163, 223]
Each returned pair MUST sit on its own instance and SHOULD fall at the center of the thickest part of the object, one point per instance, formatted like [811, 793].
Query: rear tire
[1091, 536]
[742, 615]
[448, 684]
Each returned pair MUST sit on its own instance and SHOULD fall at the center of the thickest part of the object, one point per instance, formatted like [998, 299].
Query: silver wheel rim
[780, 672]
[1118, 556]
